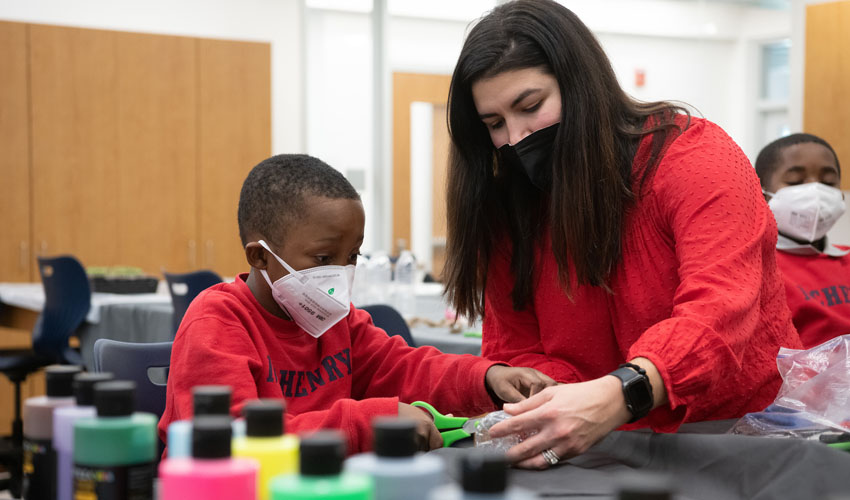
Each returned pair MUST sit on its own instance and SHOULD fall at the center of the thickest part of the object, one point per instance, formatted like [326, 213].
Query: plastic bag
[481, 432]
[814, 400]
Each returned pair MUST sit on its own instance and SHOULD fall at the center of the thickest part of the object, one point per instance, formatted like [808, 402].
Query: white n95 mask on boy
[316, 298]
[806, 211]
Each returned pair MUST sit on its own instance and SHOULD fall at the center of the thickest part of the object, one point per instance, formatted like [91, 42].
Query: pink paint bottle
[211, 473]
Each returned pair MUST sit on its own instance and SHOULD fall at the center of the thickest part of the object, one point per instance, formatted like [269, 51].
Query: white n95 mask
[316, 298]
[806, 211]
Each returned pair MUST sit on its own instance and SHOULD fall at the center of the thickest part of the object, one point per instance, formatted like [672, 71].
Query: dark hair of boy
[769, 157]
[273, 194]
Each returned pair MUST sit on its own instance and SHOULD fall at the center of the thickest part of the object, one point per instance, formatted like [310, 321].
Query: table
[147, 318]
[702, 462]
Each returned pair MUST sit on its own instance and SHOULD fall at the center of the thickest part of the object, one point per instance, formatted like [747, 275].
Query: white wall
[275, 21]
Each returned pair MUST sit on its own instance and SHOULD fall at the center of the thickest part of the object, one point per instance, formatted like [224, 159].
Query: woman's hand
[515, 384]
[568, 419]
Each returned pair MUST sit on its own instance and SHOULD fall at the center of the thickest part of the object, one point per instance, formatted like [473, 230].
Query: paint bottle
[398, 471]
[63, 429]
[264, 441]
[210, 473]
[39, 455]
[484, 476]
[206, 400]
[321, 477]
[115, 452]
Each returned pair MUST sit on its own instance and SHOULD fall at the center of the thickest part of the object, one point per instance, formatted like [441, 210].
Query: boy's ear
[255, 254]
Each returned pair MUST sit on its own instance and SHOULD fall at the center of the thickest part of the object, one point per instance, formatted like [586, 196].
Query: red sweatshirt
[345, 378]
[817, 286]
[697, 291]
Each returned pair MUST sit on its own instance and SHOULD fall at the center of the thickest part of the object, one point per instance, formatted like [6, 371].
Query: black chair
[185, 287]
[388, 319]
[139, 363]
[67, 300]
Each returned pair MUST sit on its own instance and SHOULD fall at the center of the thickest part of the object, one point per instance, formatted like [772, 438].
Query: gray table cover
[702, 463]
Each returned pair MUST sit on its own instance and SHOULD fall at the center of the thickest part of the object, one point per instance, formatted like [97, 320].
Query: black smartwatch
[636, 389]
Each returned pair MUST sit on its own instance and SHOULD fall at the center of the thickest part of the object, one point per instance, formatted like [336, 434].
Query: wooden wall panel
[826, 104]
[15, 254]
[235, 134]
[156, 149]
[409, 88]
[75, 143]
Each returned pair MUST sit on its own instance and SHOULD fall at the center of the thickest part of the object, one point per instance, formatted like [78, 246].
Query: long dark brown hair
[591, 190]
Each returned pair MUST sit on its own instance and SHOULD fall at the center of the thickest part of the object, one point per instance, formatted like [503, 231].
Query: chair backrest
[185, 287]
[67, 300]
[388, 319]
[131, 361]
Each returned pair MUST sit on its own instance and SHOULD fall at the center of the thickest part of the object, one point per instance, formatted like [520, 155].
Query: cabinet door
[75, 143]
[156, 150]
[15, 256]
[235, 134]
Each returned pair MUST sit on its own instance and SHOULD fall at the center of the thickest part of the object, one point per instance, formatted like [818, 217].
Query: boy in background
[800, 176]
[287, 328]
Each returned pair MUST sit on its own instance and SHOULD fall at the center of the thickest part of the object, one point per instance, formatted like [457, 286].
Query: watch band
[637, 391]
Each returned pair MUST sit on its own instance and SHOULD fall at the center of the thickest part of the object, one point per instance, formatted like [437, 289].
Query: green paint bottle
[115, 452]
[321, 475]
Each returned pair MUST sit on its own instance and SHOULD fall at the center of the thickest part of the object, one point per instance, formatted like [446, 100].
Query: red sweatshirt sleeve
[708, 195]
[513, 336]
[386, 367]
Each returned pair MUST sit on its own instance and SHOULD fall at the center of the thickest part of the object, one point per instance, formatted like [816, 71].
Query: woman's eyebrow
[522, 95]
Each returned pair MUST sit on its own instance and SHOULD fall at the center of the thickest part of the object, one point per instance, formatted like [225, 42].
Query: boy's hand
[427, 436]
[515, 384]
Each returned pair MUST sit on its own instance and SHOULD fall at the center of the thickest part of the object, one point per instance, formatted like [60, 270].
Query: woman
[603, 236]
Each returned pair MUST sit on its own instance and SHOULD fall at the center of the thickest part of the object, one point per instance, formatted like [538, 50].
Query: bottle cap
[263, 418]
[484, 472]
[394, 437]
[211, 435]
[115, 398]
[211, 400]
[322, 454]
[645, 486]
[60, 380]
[84, 386]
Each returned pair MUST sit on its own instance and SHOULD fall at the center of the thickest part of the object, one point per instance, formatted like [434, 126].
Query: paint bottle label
[125, 482]
[39, 470]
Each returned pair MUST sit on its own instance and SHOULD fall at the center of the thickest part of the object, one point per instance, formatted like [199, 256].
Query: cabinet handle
[210, 254]
[192, 254]
[24, 255]
[43, 251]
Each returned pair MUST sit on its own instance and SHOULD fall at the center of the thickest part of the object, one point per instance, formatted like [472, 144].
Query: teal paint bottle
[39, 455]
[115, 452]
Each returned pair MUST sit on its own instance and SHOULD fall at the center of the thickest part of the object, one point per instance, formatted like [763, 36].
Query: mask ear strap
[767, 193]
[282, 263]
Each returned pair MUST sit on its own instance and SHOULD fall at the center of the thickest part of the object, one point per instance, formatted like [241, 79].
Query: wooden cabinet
[235, 118]
[14, 161]
[126, 148]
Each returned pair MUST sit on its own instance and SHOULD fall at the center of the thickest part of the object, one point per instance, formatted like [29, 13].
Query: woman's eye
[533, 108]
[496, 125]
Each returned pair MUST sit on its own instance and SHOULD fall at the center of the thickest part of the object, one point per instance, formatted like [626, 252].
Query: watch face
[639, 395]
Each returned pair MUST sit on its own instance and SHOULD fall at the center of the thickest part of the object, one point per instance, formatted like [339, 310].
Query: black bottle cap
[84, 386]
[211, 400]
[115, 398]
[211, 435]
[322, 454]
[484, 472]
[263, 418]
[394, 437]
[645, 486]
[60, 380]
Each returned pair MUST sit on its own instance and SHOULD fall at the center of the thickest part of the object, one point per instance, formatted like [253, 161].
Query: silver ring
[551, 457]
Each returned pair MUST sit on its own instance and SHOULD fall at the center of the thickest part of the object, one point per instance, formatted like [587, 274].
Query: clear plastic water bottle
[380, 276]
[405, 279]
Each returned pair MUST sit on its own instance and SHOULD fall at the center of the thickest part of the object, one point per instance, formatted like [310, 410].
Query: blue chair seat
[132, 361]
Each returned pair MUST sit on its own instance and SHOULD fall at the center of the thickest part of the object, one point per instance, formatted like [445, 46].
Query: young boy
[287, 328]
[800, 175]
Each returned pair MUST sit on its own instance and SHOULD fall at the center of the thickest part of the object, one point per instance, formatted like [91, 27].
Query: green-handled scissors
[452, 429]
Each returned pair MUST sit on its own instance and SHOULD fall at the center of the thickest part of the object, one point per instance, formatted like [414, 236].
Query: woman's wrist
[659, 390]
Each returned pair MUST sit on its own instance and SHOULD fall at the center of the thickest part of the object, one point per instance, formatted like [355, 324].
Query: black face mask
[533, 155]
